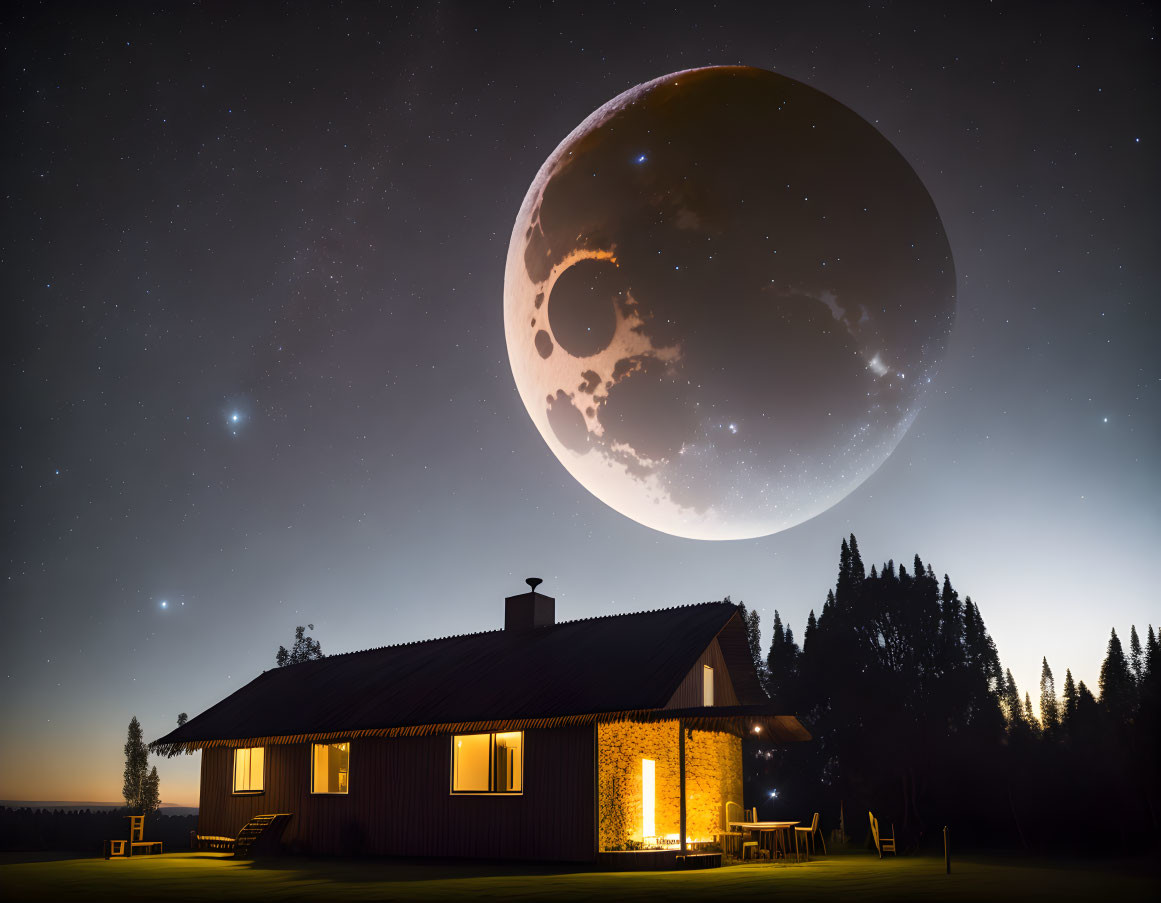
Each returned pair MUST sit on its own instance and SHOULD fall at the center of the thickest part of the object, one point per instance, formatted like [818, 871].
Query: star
[164, 604]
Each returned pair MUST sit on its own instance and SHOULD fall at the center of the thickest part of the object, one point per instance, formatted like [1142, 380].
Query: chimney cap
[533, 582]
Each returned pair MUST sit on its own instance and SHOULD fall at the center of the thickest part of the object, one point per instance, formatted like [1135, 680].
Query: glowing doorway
[648, 787]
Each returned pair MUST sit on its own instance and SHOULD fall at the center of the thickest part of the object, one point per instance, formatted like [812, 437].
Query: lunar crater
[738, 292]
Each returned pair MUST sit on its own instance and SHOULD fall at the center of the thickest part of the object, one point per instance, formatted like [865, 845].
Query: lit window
[330, 767]
[248, 765]
[707, 685]
[488, 763]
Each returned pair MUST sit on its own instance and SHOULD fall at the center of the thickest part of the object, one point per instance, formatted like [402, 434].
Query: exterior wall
[620, 749]
[688, 694]
[400, 802]
[713, 776]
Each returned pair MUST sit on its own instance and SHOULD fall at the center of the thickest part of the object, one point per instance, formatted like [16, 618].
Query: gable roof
[616, 663]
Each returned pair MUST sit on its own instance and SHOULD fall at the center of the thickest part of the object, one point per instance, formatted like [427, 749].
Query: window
[248, 768]
[488, 763]
[707, 685]
[330, 767]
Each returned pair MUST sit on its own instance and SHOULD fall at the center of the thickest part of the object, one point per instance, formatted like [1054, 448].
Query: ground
[852, 878]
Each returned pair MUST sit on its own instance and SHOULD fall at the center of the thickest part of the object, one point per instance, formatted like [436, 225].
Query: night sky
[256, 371]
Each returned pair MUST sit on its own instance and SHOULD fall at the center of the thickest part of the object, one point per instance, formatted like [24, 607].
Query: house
[544, 740]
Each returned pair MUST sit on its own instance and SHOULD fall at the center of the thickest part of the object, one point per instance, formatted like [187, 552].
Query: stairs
[270, 825]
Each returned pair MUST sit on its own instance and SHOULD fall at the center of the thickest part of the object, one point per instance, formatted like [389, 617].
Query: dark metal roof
[617, 663]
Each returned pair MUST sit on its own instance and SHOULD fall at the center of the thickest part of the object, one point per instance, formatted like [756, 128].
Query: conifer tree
[858, 572]
[1049, 708]
[136, 765]
[753, 624]
[1013, 707]
[1029, 715]
[151, 793]
[842, 587]
[1068, 711]
[1116, 681]
[1136, 659]
[782, 663]
[811, 627]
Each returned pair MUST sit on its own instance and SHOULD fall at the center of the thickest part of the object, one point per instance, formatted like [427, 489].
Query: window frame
[234, 791]
[491, 735]
[708, 687]
[346, 792]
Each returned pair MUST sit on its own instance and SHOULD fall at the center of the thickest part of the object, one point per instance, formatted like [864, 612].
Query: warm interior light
[648, 787]
[707, 685]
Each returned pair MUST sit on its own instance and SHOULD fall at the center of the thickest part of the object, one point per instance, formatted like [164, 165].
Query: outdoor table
[778, 827]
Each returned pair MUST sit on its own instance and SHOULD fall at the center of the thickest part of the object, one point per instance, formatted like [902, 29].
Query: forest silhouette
[915, 718]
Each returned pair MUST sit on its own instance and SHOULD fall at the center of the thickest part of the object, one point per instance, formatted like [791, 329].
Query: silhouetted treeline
[86, 830]
[914, 717]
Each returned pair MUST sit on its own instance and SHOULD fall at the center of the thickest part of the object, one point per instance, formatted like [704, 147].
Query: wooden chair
[882, 844]
[751, 846]
[118, 849]
[809, 836]
[729, 838]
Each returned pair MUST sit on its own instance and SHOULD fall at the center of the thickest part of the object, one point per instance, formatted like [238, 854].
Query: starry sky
[253, 267]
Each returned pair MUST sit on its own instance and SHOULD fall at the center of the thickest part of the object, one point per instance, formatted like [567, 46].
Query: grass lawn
[852, 878]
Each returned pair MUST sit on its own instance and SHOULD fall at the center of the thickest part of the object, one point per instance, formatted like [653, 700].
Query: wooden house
[544, 740]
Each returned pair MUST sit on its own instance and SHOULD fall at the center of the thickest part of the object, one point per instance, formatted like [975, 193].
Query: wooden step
[253, 830]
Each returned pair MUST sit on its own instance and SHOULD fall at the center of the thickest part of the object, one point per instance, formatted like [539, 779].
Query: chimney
[529, 610]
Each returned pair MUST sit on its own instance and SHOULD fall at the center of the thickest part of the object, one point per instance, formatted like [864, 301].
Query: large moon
[725, 296]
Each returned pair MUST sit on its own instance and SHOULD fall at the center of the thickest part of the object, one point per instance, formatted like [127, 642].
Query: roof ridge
[461, 636]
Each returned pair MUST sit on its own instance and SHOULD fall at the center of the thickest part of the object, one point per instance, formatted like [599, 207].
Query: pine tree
[1068, 711]
[858, 572]
[753, 624]
[1049, 708]
[1136, 659]
[150, 793]
[782, 663]
[136, 763]
[808, 634]
[1029, 715]
[842, 587]
[1116, 681]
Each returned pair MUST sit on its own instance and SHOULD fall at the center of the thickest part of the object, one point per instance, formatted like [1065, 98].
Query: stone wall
[713, 775]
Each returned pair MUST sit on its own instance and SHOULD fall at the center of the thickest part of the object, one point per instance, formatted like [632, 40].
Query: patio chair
[729, 838]
[882, 844]
[809, 836]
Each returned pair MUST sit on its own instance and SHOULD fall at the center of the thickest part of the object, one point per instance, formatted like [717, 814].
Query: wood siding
[400, 805]
[688, 694]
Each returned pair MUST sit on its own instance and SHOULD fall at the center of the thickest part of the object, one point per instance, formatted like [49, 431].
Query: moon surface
[725, 296]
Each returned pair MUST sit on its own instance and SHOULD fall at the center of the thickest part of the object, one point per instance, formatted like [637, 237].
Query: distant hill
[166, 808]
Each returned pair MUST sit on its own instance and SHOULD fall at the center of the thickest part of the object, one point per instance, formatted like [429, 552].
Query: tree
[753, 624]
[1136, 659]
[1049, 709]
[1070, 697]
[782, 664]
[136, 763]
[182, 719]
[1116, 681]
[305, 648]
[151, 793]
